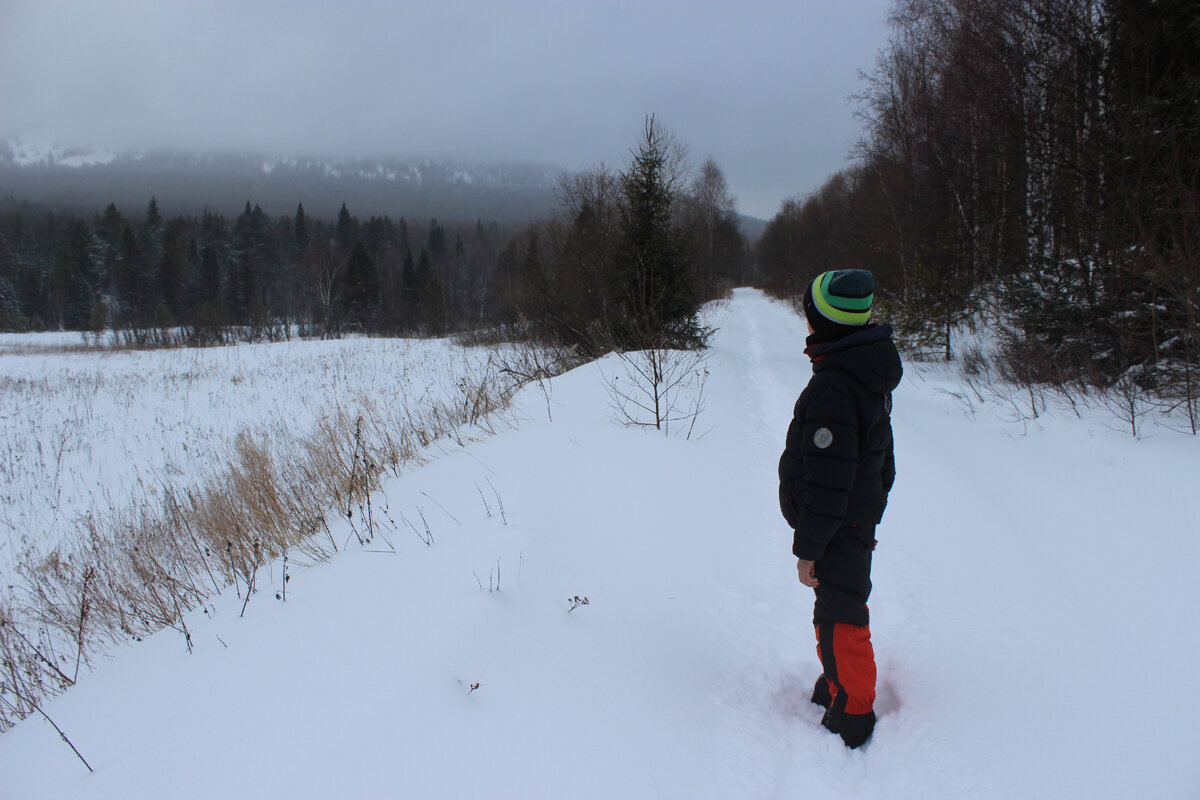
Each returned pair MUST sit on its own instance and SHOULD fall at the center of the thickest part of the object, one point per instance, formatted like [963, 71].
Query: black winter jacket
[838, 466]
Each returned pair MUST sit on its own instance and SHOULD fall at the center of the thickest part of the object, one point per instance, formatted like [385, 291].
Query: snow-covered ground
[1033, 618]
[91, 433]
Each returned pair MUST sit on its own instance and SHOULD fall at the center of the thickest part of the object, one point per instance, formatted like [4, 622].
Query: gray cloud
[760, 86]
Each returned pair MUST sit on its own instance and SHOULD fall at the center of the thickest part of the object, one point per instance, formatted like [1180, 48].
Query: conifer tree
[362, 288]
[656, 283]
[240, 289]
[422, 289]
[345, 234]
[83, 293]
[436, 244]
[210, 277]
[154, 219]
[111, 224]
[60, 288]
[402, 243]
[133, 284]
[300, 230]
[171, 269]
[410, 297]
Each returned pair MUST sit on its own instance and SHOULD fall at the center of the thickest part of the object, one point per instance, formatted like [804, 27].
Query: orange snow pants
[849, 663]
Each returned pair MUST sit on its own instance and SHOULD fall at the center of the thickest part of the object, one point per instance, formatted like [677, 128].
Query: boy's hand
[808, 572]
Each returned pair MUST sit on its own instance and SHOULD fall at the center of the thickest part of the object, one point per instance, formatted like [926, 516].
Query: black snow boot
[821, 695]
[854, 729]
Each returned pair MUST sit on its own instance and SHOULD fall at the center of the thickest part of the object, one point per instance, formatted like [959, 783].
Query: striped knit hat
[838, 303]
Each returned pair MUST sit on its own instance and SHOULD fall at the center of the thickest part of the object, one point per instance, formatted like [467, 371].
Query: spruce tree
[402, 243]
[436, 244]
[154, 219]
[240, 289]
[654, 273]
[111, 224]
[410, 297]
[134, 286]
[346, 233]
[60, 287]
[422, 291]
[300, 230]
[171, 269]
[84, 292]
[362, 288]
[210, 277]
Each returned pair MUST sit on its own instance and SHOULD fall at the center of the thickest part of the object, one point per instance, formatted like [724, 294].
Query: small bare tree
[658, 387]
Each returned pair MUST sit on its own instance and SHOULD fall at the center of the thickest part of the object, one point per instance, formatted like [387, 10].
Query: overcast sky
[761, 86]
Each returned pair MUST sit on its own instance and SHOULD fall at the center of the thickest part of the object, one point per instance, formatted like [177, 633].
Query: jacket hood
[869, 356]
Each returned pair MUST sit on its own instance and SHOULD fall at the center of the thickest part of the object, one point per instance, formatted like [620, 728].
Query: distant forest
[1037, 161]
[625, 258]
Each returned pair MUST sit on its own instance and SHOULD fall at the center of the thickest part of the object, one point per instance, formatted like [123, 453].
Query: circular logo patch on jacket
[823, 438]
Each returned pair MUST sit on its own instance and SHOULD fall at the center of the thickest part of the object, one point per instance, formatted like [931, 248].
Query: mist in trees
[625, 262]
[1039, 160]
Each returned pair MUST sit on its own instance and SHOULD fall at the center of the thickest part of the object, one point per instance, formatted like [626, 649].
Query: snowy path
[1032, 619]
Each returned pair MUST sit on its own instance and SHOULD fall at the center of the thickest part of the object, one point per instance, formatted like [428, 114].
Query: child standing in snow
[835, 474]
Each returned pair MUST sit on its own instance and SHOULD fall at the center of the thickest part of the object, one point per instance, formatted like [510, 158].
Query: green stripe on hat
[838, 308]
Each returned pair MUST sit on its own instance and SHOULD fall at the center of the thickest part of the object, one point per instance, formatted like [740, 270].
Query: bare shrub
[529, 361]
[1127, 398]
[658, 388]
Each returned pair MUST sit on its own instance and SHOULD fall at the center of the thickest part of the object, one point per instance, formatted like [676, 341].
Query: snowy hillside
[31, 152]
[1033, 618]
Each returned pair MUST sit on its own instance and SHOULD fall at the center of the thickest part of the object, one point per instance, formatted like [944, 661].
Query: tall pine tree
[656, 283]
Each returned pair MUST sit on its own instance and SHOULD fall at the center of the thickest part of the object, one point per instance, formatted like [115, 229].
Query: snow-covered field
[1033, 618]
[88, 433]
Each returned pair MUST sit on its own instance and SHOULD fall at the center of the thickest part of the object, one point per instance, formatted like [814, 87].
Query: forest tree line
[1036, 159]
[626, 260]
[251, 277]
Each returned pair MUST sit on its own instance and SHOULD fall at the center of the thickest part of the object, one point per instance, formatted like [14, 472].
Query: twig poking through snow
[46, 716]
[443, 508]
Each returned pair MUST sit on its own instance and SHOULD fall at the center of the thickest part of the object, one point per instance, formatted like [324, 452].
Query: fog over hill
[85, 181]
